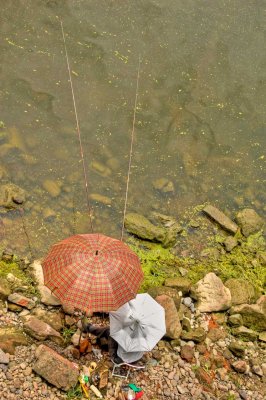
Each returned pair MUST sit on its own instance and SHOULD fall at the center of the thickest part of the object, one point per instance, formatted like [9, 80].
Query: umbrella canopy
[92, 272]
[139, 324]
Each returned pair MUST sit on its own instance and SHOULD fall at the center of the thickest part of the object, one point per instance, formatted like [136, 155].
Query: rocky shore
[207, 272]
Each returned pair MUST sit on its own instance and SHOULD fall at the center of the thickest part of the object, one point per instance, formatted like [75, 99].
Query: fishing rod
[78, 129]
[131, 150]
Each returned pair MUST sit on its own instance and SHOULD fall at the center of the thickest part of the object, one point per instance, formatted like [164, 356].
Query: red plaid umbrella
[92, 272]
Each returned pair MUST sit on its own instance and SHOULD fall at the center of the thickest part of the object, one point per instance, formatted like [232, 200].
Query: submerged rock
[245, 334]
[211, 294]
[249, 221]
[219, 217]
[164, 185]
[143, 228]
[11, 196]
[52, 187]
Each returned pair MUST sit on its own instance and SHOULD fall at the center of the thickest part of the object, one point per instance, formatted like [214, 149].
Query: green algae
[242, 262]
[157, 262]
[24, 277]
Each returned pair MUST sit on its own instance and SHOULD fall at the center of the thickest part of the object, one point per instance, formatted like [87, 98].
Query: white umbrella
[138, 325]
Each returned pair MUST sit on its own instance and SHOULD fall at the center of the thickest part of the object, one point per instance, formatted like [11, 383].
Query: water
[200, 116]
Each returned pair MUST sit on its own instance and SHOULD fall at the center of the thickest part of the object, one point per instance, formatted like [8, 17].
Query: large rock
[47, 296]
[211, 294]
[11, 196]
[173, 326]
[143, 228]
[253, 315]
[22, 301]
[249, 221]
[56, 369]
[10, 338]
[219, 217]
[40, 330]
[242, 291]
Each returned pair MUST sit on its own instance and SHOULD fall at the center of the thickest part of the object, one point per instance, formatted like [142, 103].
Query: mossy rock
[242, 291]
[254, 317]
[160, 290]
[179, 283]
[140, 226]
[10, 338]
[5, 290]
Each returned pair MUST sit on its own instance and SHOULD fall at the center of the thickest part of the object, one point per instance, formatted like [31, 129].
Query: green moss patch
[243, 262]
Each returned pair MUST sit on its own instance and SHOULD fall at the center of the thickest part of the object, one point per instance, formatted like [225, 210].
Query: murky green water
[200, 119]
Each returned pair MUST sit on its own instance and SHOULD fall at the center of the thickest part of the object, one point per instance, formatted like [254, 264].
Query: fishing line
[131, 150]
[78, 129]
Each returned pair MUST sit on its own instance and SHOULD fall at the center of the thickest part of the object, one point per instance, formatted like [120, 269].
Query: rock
[52, 187]
[164, 185]
[14, 307]
[180, 284]
[173, 326]
[47, 297]
[245, 333]
[242, 291]
[155, 291]
[237, 349]
[219, 217]
[241, 366]
[243, 394]
[230, 243]
[51, 318]
[253, 315]
[203, 376]
[257, 370]
[249, 221]
[10, 338]
[5, 290]
[56, 369]
[197, 335]
[4, 358]
[143, 228]
[235, 320]
[75, 338]
[262, 336]
[211, 294]
[41, 330]
[101, 169]
[216, 334]
[99, 198]
[68, 309]
[22, 301]
[11, 196]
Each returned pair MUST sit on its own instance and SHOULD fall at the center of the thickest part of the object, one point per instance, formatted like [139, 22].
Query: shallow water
[200, 119]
